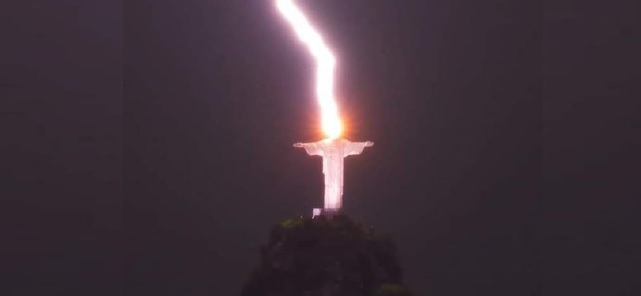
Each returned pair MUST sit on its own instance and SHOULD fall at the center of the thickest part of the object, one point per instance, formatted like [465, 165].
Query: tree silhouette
[326, 257]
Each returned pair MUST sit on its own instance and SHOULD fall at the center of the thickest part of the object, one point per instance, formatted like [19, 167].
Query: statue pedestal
[329, 213]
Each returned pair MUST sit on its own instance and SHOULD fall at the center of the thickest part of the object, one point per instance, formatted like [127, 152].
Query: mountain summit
[325, 256]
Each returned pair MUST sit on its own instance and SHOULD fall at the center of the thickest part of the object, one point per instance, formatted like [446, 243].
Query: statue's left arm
[356, 148]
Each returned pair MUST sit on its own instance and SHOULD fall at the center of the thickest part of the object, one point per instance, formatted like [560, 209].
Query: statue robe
[333, 153]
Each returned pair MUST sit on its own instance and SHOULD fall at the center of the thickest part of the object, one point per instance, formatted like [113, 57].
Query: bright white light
[325, 64]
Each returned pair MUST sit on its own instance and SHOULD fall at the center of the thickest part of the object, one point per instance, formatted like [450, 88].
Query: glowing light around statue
[333, 149]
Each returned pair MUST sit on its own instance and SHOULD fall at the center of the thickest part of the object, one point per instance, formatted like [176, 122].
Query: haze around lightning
[325, 66]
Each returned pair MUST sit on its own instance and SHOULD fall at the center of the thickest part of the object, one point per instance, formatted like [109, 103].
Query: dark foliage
[326, 257]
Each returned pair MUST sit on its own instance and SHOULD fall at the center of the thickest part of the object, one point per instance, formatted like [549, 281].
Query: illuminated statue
[333, 151]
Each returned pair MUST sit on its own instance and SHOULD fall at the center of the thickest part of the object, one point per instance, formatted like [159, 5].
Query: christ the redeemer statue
[333, 151]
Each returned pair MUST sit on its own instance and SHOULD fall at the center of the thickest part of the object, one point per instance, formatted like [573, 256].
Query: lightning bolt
[325, 66]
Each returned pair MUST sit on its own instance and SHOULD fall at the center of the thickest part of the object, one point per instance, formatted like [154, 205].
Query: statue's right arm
[310, 148]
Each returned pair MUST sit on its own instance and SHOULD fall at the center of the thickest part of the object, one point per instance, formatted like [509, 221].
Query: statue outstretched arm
[310, 148]
[356, 148]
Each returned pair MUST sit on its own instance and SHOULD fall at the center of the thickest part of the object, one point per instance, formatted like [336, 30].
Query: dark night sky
[149, 144]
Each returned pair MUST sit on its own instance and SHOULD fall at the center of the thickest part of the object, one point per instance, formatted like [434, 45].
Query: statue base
[329, 213]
